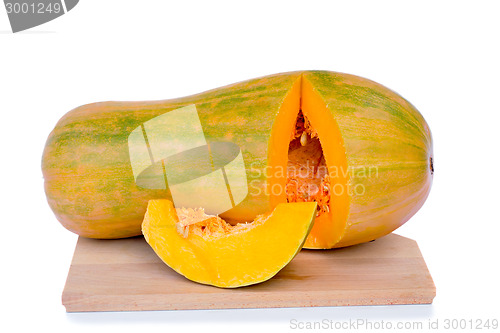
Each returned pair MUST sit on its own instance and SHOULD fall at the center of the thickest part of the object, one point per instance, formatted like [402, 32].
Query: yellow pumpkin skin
[377, 145]
[235, 259]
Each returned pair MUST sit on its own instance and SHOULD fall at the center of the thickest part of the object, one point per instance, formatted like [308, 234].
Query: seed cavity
[307, 172]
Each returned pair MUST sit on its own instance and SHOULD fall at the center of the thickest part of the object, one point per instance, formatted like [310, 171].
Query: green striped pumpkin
[90, 184]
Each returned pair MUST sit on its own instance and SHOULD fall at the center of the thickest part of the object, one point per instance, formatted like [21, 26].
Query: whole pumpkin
[366, 152]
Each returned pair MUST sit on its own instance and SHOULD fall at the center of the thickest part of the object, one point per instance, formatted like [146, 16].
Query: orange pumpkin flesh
[303, 102]
[208, 250]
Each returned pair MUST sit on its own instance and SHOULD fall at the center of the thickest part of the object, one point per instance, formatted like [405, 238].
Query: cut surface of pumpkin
[208, 250]
[310, 146]
[357, 149]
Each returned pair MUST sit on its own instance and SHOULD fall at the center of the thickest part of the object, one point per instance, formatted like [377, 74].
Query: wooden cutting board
[125, 275]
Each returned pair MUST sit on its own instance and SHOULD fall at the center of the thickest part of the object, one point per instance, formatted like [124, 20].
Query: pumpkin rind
[89, 181]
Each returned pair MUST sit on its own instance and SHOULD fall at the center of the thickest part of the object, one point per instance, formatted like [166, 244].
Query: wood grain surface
[126, 275]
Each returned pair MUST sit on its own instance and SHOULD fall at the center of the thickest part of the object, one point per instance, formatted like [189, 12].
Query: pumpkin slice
[208, 250]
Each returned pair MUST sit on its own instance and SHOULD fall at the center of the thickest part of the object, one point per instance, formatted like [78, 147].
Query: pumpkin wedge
[357, 148]
[208, 250]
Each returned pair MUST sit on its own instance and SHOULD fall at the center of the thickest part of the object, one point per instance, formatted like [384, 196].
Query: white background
[443, 56]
